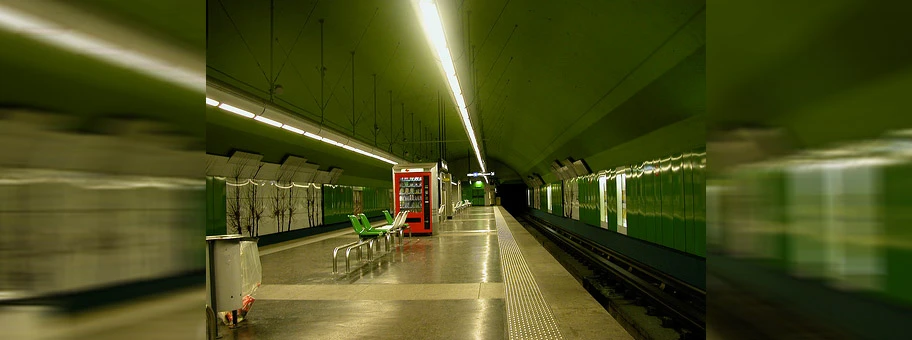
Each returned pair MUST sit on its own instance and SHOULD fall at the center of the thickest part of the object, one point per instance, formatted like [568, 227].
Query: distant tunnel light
[267, 121]
[433, 27]
[212, 102]
[235, 110]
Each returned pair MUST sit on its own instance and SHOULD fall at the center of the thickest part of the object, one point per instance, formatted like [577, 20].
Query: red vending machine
[414, 193]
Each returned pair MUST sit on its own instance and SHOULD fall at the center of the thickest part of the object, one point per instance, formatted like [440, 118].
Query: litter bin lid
[224, 237]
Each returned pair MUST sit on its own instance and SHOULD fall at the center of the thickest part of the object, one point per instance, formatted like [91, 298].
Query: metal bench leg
[370, 250]
[348, 258]
[375, 249]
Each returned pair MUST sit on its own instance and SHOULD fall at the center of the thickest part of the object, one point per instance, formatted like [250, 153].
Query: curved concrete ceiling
[544, 80]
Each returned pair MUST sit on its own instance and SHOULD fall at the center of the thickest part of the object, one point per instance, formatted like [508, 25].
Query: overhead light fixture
[278, 124]
[314, 136]
[235, 110]
[267, 121]
[293, 129]
[433, 27]
[331, 142]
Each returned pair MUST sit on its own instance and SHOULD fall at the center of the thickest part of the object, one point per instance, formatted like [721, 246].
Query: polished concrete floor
[449, 285]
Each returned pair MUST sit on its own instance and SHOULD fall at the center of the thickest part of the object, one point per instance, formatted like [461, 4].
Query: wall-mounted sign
[476, 174]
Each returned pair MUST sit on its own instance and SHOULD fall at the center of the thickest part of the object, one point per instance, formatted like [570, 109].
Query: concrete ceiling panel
[542, 73]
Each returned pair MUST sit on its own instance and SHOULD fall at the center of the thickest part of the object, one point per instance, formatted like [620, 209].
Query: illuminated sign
[476, 174]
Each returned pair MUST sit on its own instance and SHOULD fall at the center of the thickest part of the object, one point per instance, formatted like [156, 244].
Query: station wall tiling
[557, 198]
[665, 201]
[216, 206]
[340, 201]
[474, 192]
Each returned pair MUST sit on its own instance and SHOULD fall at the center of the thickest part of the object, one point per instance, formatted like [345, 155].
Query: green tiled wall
[666, 201]
[338, 202]
[216, 210]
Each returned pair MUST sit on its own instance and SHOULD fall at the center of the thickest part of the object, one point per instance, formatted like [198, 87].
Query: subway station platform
[480, 276]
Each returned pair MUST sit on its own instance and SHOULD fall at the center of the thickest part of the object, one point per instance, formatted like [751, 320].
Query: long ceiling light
[275, 123]
[433, 27]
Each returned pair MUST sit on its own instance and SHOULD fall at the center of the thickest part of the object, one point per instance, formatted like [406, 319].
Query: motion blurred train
[840, 216]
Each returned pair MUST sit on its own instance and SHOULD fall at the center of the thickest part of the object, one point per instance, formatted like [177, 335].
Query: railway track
[650, 304]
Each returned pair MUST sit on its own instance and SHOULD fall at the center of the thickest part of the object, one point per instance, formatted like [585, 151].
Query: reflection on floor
[446, 286]
[449, 285]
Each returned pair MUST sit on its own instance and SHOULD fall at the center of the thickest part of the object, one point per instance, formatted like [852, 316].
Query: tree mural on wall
[234, 203]
[311, 196]
[285, 194]
[253, 207]
[279, 204]
[256, 207]
[234, 209]
[292, 206]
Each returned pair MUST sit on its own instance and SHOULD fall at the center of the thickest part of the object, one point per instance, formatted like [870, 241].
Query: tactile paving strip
[528, 315]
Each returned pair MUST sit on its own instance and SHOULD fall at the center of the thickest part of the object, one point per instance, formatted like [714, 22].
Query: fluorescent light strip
[79, 43]
[354, 149]
[317, 137]
[212, 102]
[244, 113]
[332, 142]
[235, 110]
[293, 129]
[267, 121]
[434, 29]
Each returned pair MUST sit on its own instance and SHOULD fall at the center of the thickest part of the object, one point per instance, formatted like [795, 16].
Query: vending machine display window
[410, 194]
